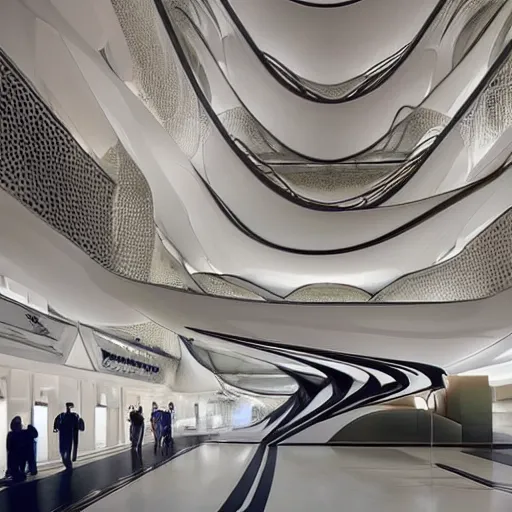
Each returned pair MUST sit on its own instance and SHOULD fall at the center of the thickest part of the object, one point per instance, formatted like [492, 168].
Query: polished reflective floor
[305, 478]
[227, 477]
[74, 490]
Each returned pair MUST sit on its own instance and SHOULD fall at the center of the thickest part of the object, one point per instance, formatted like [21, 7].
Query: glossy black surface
[499, 454]
[65, 490]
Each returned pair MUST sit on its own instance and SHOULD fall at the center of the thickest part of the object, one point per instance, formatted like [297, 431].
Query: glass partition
[466, 405]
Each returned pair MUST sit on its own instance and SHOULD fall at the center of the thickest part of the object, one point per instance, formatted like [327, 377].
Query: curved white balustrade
[439, 334]
[446, 99]
[209, 242]
[297, 122]
[332, 45]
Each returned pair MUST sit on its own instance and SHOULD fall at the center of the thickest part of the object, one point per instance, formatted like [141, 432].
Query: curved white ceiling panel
[382, 104]
[481, 269]
[478, 142]
[238, 125]
[354, 265]
[309, 221]
[332, 45]
[434, 333]
[280, 272]
[244, 70]
[287, 278]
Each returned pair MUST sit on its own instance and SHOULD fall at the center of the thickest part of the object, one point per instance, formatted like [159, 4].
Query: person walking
[68, 424]
[167, 423]
[129, 420]
[137, 428]
[156, 425]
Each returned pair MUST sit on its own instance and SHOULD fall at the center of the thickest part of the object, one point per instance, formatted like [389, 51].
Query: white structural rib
[332, 45]
[439, 334]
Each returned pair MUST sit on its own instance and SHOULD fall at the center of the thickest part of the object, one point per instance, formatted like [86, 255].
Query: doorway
[100, 427]
[40, 422]
[3, 435]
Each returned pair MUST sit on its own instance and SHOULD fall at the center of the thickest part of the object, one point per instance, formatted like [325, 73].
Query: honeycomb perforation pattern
[165, 270]
[110, 163]
[483, 268]
[133, 221]
[158, 76]
[332, 182]
[151, 335]
[215, 285]
[241, 125]
[328, 293]
[44, 168]
[409, 132]
[490, 115]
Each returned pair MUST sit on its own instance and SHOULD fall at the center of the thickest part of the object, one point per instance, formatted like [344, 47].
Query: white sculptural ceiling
[201, 157]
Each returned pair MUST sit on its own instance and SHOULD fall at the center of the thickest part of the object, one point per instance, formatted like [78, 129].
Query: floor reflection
[137, 464]
[59, 491]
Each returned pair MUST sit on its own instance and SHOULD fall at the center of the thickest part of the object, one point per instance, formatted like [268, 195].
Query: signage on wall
[127, 365]
[24, 325]
[37, 326]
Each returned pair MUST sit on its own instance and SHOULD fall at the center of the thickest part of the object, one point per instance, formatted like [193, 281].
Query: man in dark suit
[137, 428]
[68, 424]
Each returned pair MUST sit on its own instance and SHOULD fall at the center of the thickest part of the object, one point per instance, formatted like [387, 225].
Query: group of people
[21, 450]
[22, 444]
[161, 426]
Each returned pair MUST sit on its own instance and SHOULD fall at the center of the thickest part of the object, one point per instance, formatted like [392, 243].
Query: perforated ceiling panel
[43, 167]
[482, 269]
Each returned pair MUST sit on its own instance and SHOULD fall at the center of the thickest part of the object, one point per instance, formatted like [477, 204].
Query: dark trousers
[32, 459]
[157, 434]
[16, 466]
[167, 440]
[136, 436]
[65, 449]
[167, 436]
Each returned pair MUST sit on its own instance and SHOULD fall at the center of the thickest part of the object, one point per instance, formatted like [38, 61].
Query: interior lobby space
[255, 255]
